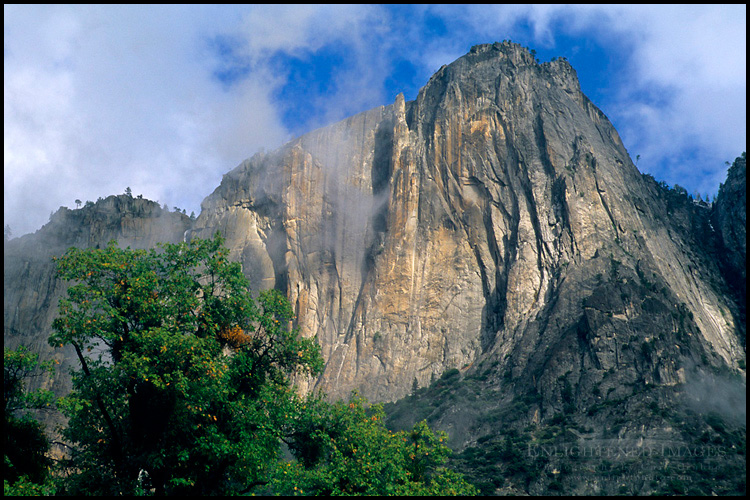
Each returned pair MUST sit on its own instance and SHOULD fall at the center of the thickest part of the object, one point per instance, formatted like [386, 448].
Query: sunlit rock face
[496, 217]
[495, 225]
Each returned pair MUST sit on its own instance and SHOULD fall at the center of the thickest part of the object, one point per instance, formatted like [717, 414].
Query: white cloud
[297, 29]
[358, 32]
[693, 57]
[97, 98]
[100, 98]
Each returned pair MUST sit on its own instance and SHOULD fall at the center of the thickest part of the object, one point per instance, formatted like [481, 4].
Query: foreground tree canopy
[185, 388]
[25, 466]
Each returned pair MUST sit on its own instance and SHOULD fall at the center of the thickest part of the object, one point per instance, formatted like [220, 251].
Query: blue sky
[166, 99]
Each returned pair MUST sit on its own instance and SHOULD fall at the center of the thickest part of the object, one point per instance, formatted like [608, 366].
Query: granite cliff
[497, 215]
[730, 218]
[488, 254]
[31, 289]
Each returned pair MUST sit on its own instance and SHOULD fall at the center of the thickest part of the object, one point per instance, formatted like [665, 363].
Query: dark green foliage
[25, 444]
[450, 375]
[346, 449]
[555, 486]
[158, 404]
[185, 388]
[500, 460]
[567, 397]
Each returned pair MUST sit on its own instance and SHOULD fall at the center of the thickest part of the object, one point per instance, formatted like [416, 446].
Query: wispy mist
[707, 393]
[99, 98]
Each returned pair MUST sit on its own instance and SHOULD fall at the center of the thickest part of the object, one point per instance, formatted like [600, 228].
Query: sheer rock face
[496, 223]
[31, 289]
[730, 220]
[497, 217]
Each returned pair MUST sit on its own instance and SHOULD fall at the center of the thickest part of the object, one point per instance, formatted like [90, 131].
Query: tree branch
[100, 403]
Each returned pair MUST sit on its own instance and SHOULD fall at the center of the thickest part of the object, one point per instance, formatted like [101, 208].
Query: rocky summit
[489, 258]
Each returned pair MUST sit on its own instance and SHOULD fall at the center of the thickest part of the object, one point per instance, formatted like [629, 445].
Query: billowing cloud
[678, 95]
[694, 59]
[165, 99]
[101, 98]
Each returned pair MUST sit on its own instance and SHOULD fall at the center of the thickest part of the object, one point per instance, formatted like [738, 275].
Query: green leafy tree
[184, 386]
[345, 448]
[25, 467]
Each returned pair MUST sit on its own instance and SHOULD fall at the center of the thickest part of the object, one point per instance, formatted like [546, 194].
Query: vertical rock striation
[497, 225]
[730, 220]
[497, 216]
